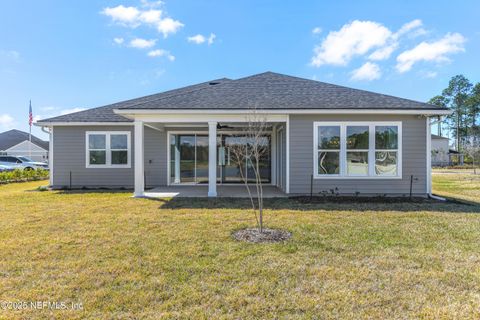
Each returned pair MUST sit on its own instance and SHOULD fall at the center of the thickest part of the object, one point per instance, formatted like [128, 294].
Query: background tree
[439, 101]
[473, 107]
[457, 95]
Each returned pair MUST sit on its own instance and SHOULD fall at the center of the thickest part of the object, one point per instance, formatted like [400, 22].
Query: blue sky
[68, 55]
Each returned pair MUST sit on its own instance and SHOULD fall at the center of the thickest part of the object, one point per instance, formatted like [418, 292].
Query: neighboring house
[440, 151]
[353, 140]
[17, 143]
[442, 155]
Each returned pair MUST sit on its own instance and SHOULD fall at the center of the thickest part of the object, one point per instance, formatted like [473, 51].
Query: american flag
[30, 115]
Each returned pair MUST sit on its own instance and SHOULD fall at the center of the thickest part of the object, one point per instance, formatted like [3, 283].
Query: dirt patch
[254, 235]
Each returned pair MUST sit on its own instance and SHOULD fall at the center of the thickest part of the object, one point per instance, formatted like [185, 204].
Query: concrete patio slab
[201, 191]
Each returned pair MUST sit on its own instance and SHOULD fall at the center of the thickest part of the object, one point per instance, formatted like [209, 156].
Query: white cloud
[356, 38]
[368, 71]
[317, 30]
[6, 121]
[168, 25]
[360, 38]
[198, 39]
[383, 53]
[72, 110]
[142, 43]
[211, 38]
[409, 26]
[128, 16]
[436, 51]
[133, 17]
[161, 53]
[118, 40]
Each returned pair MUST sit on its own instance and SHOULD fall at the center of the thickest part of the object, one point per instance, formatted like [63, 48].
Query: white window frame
[108, 149]
[343, 149]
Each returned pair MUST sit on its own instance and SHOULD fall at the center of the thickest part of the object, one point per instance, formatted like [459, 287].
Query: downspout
[429, 158]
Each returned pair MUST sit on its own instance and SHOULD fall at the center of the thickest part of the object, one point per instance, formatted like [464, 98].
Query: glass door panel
[202, 159]
[233, 162]
[232, 158]
[264, 163]
[187, 158]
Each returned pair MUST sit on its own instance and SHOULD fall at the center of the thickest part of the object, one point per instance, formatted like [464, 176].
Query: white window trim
[108, 156]
[343, 151]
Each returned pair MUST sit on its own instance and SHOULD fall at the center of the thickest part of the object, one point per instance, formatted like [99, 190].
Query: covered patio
[223, 191]
[204, 168]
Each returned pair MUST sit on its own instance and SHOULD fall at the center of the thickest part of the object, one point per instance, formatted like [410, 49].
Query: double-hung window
[108, 149]
[357, 149]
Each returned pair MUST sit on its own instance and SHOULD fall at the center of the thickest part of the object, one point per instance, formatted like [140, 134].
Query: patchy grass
[136, 258]
[457, 184]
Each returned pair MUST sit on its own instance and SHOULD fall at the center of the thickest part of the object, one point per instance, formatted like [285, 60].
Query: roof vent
[213, 83]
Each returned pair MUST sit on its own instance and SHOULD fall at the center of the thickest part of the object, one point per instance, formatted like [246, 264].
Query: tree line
[463, 98]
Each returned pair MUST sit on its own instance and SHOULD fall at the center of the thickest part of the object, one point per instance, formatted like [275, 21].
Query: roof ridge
[335, 85]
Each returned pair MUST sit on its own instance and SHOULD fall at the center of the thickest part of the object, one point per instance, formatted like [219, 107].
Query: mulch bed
[254, 235]
[362, 199]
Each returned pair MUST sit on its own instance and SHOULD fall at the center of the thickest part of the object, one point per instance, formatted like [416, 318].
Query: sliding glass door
[189, 159]
[234, 162]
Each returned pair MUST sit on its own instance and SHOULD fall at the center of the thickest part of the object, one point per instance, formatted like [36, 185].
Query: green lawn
[459, 184]
[142, 259]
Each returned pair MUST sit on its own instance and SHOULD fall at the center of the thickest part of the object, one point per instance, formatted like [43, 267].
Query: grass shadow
[92, 191]
[337, 204]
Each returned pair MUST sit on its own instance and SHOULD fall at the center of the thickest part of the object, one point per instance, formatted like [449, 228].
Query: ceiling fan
[219, 126]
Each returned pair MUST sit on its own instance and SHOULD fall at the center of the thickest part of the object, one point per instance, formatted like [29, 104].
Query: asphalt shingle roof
[13, 137]
[268, 91]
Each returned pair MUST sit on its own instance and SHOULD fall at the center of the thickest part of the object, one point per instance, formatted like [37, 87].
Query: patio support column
[212, 158]
[139, 162]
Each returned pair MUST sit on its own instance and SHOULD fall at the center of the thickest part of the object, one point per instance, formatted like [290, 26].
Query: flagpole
[30, 116]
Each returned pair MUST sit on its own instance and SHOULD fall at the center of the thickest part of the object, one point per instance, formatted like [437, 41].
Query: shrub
[19, 175]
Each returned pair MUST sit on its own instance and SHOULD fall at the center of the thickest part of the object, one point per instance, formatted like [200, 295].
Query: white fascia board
[63, 124]
[204, 118]
[134, 112]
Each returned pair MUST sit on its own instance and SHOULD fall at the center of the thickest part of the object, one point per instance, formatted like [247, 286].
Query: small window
[386, 150]
[119, 148]
[108, 149]
[97, 146]
[357, 150]
[328, 150]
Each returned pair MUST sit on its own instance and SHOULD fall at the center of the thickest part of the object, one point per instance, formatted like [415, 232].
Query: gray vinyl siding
[155, 156]
[413, 157]
[69, 156]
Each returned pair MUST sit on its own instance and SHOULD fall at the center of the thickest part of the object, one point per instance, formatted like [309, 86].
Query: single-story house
[342, 139]
[17, 143]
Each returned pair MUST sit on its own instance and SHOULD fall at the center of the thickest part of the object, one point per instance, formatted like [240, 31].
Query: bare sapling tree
[248, 155]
